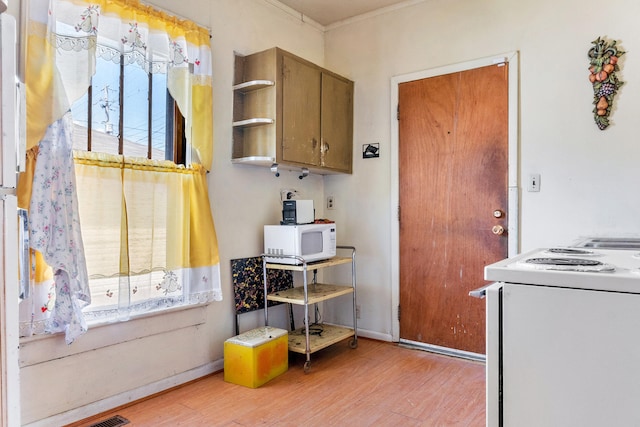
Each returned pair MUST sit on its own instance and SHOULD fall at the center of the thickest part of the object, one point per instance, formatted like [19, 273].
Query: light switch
[534, 182]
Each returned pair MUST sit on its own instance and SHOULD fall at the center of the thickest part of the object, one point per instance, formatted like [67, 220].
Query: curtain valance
[67, 35]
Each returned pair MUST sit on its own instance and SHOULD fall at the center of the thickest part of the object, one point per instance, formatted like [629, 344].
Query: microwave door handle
[23, 254]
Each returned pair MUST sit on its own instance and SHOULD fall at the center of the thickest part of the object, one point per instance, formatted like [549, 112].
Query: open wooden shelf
[310, 265]
[316, 292]
[258, 121]
[330, 334]
[253, 85]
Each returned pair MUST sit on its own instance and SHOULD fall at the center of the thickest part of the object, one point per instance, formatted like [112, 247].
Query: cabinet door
[300, 112]
[337, 123]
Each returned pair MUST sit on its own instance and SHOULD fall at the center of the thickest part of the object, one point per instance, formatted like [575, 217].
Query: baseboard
[121, 399]
[365, 333]
[374, 335]
[443, 350]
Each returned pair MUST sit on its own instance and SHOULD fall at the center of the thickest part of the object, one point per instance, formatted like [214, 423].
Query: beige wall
[589, 177]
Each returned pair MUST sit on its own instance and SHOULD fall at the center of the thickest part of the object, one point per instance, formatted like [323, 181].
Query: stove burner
[570, 264]
[564, 261]
[569, 251]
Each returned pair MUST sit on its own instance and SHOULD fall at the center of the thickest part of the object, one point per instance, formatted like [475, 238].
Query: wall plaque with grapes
[603, 60]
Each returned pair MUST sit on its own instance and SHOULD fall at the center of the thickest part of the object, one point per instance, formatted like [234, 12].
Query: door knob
[497, 229]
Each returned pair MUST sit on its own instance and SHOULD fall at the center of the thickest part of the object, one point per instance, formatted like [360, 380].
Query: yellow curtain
[161, 196]
[164, 246]
[154, 242]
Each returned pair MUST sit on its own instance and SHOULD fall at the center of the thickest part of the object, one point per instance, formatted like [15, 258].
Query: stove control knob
[497, 229]
[498, 213]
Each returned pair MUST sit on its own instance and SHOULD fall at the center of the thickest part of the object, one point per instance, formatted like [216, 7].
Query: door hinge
[398, 112]
[398, 312]
[398, 213]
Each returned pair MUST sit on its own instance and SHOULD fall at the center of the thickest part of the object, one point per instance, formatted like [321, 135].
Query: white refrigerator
[14, 266]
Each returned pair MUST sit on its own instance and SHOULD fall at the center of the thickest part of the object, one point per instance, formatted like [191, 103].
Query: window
[128, 111]
[134, 192]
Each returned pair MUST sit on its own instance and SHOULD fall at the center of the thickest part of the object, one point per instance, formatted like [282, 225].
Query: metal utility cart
[313, 293]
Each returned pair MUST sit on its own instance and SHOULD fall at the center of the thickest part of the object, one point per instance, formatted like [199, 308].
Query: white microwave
[286, 244]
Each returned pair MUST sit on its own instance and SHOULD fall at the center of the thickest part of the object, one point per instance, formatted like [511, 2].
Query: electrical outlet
[330, 202]
[357, 311]
[288, 194]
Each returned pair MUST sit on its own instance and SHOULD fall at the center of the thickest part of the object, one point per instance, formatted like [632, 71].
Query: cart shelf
[330, 334]
[310, 265]
[316, 293]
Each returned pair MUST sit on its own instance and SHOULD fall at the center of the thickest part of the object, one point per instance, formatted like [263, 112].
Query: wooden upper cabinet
[336, 121]
[303, 119]
[301, 97]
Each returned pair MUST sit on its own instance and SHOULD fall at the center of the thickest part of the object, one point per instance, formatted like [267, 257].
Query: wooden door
[453, 160]
[337, 123]
[301, 85]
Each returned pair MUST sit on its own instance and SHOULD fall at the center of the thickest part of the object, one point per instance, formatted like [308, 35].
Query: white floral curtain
[54, 228]
[64, 37]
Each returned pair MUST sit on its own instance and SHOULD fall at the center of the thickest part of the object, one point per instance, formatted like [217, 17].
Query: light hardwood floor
[377, 384]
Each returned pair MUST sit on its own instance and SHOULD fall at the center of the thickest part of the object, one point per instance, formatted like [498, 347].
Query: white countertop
[625, 278]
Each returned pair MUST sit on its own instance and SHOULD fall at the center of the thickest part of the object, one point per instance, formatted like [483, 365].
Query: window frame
[175, 138]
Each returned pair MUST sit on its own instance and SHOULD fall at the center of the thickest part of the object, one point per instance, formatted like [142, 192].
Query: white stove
[611, 270]
[563, 338]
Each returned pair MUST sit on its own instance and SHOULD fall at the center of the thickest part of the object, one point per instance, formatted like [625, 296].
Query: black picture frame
[370, 151]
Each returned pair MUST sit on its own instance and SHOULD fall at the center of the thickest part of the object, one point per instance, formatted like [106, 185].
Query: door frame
[513, 214]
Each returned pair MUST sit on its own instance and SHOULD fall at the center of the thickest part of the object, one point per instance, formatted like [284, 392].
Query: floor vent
[114, 421]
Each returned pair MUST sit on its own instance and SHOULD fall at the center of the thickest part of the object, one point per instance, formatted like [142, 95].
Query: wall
[115, 364]
[588, 177]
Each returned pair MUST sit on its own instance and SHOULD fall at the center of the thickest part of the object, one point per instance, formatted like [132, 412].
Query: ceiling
[326, 12]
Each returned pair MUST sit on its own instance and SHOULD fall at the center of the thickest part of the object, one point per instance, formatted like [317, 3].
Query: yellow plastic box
[255, 357]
